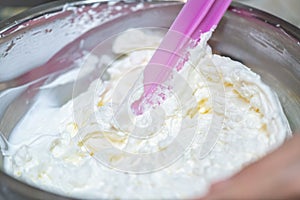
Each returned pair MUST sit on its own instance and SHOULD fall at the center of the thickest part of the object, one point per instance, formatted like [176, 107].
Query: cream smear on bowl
[63, 158]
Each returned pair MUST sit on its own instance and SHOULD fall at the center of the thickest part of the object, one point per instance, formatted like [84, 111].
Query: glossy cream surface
[54, 147]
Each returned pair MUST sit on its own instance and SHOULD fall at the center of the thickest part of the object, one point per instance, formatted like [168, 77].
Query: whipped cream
[57, 147]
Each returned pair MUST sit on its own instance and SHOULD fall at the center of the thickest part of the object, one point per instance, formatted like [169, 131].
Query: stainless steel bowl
[32, 43]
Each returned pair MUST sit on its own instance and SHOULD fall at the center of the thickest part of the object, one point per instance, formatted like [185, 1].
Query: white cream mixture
[63, 161]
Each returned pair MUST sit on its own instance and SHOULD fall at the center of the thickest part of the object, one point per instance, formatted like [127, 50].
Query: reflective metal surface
[40, 44]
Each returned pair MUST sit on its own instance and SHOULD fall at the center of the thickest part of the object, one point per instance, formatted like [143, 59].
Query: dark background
[25, 3]
[9, 8]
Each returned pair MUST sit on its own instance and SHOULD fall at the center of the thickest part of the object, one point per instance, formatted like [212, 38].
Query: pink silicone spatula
[196, 17]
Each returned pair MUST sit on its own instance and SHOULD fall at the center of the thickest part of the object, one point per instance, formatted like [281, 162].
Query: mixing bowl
[41, 43]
